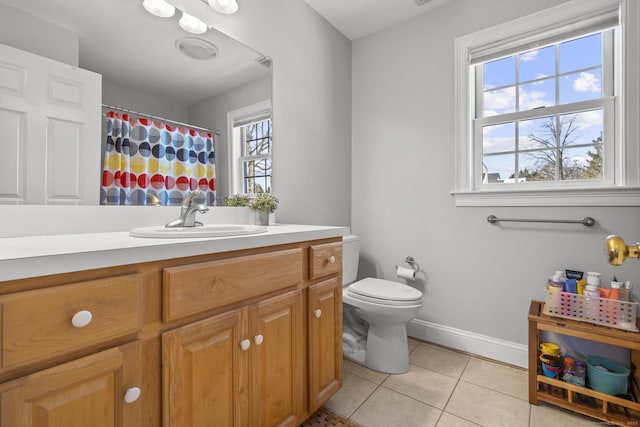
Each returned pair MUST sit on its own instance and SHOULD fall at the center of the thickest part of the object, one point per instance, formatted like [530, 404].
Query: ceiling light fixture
[192, 24]
[197, 48]
[226, 7]
[159, 8]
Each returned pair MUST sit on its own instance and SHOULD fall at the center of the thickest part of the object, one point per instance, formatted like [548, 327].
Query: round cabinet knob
[332, 259]
[132, 394]
[81, 319]
[245, 344]
[258, 339]
[317, 312]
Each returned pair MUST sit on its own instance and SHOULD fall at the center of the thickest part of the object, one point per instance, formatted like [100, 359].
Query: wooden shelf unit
[583, 400]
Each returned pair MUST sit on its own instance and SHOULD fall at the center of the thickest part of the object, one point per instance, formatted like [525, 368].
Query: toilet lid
[384, 290]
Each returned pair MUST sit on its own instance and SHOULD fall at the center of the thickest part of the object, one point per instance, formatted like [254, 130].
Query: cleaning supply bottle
[555, 288]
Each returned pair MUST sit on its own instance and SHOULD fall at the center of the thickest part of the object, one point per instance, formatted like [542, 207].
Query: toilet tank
[350, 258]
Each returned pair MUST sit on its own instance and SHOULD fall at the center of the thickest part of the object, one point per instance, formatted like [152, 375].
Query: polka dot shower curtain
[151, 162]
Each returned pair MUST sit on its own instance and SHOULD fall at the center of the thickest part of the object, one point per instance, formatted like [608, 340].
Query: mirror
[144, 67]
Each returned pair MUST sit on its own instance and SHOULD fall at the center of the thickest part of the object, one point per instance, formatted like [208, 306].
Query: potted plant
[237, 200]
[264, 204]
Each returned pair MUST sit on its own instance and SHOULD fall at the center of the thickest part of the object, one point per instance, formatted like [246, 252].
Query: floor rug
[325, 418]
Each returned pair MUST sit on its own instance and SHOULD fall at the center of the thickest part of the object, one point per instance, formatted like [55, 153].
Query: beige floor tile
[448, 420]
[354, 391]
[386, 408]
[424, 385]
[412, 344]
[439, 360]
[505, 379]
[487, 407]
[364, 372]
[549, 416]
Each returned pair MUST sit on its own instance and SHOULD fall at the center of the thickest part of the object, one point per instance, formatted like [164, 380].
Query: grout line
[363, 402]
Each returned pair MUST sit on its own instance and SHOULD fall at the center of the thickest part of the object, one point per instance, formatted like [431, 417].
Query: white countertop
[32, 256]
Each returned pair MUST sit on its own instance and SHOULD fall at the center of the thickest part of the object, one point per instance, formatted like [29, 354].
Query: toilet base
[387, 348]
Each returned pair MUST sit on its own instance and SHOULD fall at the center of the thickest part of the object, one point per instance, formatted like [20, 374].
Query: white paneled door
[49, 131]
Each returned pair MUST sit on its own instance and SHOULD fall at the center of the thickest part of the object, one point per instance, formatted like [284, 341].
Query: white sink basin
[207, 230]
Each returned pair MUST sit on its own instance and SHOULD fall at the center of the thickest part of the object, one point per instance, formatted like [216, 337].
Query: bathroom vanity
[239, 331]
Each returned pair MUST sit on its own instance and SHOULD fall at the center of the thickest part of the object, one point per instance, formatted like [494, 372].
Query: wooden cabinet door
[205, 373]
[277, 357]
[86, 392]
[325, 341]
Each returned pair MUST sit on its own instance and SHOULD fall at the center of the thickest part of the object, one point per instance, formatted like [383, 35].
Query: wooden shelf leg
[533, 363]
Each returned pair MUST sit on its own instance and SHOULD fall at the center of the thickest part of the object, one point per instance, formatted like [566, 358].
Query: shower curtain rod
[126, 110]
[586, 221]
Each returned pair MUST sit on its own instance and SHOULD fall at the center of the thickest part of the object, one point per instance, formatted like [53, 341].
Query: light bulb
[159, 8]
[192, 24]
[226, 7]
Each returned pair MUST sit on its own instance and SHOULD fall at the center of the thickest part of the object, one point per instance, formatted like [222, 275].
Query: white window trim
[245, 114]
[626, 188]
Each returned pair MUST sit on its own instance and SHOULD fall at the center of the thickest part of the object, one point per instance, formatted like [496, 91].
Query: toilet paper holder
[409, 260]
[412, 263]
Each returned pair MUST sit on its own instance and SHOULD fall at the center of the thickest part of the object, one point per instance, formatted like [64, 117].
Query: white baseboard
[482, 345]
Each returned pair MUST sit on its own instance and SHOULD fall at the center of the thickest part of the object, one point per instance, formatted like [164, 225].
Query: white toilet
[375, 315]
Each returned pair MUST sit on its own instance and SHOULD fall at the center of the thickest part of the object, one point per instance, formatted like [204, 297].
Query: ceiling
[358, 18]
[133, 49]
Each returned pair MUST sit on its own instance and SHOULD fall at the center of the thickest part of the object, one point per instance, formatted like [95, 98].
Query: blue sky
[579, 78]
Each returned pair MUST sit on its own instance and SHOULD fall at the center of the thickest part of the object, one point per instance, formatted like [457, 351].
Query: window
[540, 113]
[255, 158]
[539, 108]
[251, 149]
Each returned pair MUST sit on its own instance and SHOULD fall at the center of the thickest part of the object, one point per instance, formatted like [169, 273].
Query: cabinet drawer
[195, 288]
[325, 260]
[38, 324]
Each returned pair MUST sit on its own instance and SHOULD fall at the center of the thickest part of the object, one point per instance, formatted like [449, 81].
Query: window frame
[240, 117]
[621, 180]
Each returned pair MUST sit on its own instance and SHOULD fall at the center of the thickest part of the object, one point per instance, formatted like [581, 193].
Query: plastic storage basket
[601, 311]
[613, 380]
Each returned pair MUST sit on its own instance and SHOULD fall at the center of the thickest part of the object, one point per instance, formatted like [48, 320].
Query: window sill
[609, 196]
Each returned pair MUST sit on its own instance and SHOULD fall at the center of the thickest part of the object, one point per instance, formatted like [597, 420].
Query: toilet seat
[384, 292]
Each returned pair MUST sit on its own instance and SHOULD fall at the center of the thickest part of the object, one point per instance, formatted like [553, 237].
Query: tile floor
[445, 388]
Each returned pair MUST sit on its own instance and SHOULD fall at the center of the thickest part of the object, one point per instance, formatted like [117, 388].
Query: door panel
[85, 392]
[277, 370]
[205, 373]
[325, 341]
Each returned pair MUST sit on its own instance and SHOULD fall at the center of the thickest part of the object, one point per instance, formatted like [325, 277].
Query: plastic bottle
[592, 302]
[555, 287]
[615, 290]
[593, 278]
[625, 291]
[560, 278]
[565, 300]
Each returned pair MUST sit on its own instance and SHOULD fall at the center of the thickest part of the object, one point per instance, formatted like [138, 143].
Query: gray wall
[212, 113]
[24, 31]
[311, 106]
[146, 103]
[479, 277]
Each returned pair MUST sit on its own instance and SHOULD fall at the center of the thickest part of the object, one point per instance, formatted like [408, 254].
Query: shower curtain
[148, 162]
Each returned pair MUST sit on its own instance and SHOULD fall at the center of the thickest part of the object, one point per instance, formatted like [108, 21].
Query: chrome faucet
[188, 212]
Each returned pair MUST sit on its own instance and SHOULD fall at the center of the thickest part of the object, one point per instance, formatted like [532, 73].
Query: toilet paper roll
[405, 273]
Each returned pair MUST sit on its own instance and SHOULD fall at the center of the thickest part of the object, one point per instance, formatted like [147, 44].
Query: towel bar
[586, 221]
